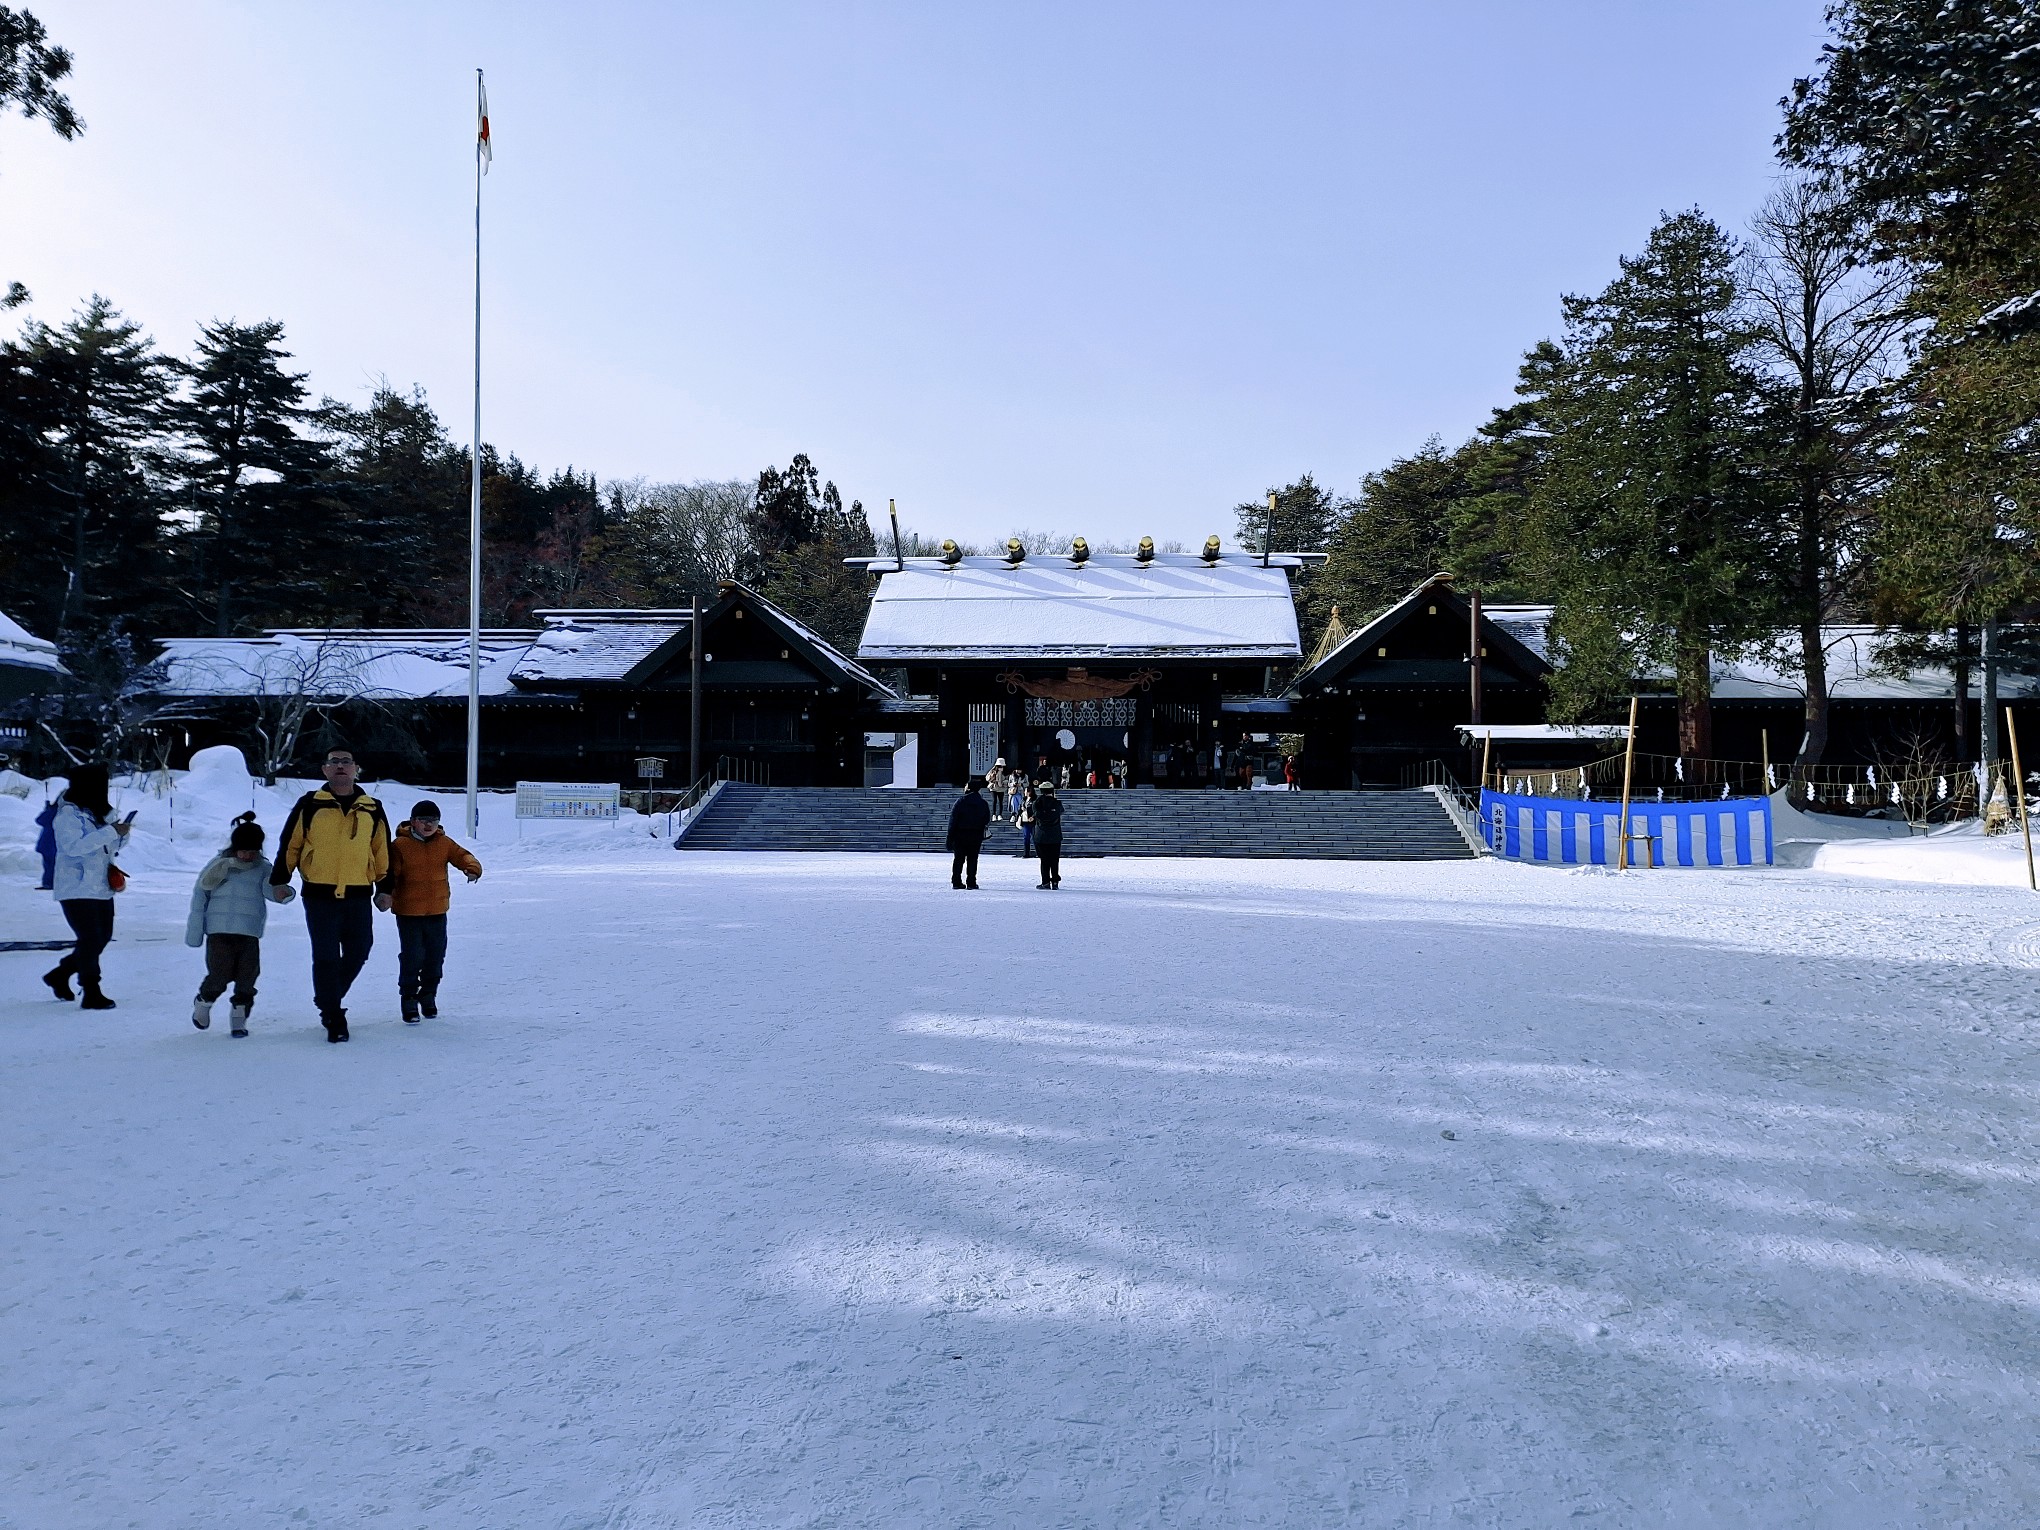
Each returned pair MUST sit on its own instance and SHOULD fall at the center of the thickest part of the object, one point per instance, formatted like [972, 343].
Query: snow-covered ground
[802, 1191]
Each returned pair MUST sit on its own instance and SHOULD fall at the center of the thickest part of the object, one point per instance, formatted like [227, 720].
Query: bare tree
[290, 684]
[1831, 325]
[678, 539]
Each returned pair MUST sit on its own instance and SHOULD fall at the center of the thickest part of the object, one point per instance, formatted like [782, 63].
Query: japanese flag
[482, 145]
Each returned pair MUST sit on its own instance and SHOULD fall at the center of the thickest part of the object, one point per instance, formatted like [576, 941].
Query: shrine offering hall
[1097, 661]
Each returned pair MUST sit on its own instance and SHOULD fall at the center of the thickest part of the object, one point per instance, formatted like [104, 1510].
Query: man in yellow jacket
[338, 842]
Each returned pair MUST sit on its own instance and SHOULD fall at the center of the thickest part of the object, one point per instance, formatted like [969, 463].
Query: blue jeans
[342, 930]
[422, 956]
[1026, 840]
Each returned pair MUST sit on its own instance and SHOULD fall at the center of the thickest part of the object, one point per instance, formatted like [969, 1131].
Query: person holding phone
[81, 882]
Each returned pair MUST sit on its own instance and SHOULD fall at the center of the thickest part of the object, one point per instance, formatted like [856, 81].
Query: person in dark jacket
[968, 821]
[46, 845]
[1048, 826]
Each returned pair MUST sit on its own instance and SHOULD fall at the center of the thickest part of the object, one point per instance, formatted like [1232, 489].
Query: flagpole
[474, 712]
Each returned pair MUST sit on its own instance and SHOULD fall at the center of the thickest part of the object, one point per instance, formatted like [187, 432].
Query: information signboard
[565, 799]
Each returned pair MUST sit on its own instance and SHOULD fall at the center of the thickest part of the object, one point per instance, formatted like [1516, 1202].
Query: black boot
[428, 1003]
[59, 979]
[410, 1002]
[93, 999]
[336, 1025]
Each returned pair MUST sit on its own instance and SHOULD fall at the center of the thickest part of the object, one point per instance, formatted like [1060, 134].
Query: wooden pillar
[1013, 735]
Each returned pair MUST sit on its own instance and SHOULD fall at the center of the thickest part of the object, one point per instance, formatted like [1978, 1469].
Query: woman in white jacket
[86, 843]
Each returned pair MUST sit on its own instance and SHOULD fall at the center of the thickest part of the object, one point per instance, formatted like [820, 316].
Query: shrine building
[1080, 659]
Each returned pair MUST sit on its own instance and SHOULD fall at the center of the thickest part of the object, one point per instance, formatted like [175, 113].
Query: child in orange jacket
[418, 890]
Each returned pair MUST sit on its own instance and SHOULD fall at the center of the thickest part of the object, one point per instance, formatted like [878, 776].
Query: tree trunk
[1960, 670]
[1696, 700]
[1990, 719]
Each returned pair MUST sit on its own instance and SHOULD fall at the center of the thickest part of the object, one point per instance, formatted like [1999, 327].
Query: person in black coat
[968, 821]
[1048, 825]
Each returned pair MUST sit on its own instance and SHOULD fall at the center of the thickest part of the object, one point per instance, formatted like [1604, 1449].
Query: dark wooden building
[581, 699]
[1390, 697]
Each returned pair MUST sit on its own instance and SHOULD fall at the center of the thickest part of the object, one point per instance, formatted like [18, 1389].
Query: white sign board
[565, 799]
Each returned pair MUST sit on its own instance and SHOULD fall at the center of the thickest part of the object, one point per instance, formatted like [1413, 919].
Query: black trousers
[91, 920]
[342, 930]
[963, 868]
[421, 956]
[232, 961]
[1051, 864]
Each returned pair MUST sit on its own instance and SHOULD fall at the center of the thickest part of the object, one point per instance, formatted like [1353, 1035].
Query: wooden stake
[1766, 747]
[1487, 744]
[2019, 779]
[1628, 767]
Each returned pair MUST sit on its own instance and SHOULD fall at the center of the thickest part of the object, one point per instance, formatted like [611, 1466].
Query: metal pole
[693, 691]
[1268, 536]
[2019, 775]
[474, 714]
[892, 508]
[1628, 766]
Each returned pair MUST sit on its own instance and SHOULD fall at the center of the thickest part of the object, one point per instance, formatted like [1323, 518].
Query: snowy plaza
[803, 1191]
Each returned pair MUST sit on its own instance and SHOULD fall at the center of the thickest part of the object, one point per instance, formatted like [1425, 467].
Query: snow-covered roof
[1853, 671]
[1561, 733]
[594, 645]
[1111, 606]
[379, 663]
[22, 649]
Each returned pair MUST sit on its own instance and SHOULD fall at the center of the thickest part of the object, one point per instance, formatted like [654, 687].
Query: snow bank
[182, 816]
[1960, 854]
[1964, 855]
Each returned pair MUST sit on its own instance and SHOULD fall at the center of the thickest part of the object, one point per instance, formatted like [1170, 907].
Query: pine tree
[29, 71]
[1650, 516]
[800, 534]
[1395, 535]
[102, 390]
[249, 466]
[401, 490]
[1926, 114]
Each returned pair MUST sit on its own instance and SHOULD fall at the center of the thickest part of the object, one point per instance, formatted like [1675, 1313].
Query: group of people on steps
[349, 864]
[1041, 825]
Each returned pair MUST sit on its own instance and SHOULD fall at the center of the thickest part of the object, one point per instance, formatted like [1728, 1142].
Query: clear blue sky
[1104, 267]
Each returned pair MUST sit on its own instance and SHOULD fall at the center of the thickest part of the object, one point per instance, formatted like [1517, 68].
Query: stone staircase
[1348, 826]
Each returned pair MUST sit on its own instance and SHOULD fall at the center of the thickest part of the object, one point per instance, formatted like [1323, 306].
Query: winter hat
[247, 834]
[1046, 786]
[426, 810]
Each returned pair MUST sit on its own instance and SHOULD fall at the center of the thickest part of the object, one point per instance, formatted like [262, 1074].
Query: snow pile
[182, 816]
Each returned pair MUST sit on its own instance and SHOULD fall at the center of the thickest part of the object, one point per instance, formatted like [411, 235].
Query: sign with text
[565, 799]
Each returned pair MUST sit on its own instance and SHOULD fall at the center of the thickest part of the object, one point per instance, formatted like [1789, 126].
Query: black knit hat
[426, 809]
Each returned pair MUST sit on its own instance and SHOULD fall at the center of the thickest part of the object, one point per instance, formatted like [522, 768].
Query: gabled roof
[1112, 606]
[22, 649]
[1347, 664]
[582, 646]
[819, 654]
